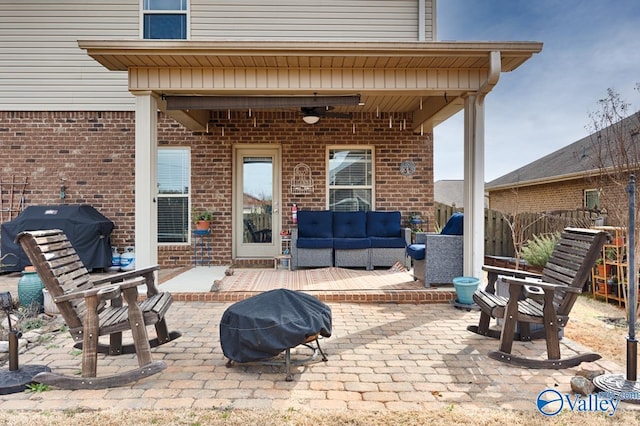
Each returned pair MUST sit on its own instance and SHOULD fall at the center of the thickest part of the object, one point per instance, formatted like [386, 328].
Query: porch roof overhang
[428, 79]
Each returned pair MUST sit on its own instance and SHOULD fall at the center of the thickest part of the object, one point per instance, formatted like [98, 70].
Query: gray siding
[370, 20]
[41, 65]
[42, 68]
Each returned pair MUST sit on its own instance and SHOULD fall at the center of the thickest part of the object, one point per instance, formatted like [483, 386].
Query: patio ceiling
[427, 79]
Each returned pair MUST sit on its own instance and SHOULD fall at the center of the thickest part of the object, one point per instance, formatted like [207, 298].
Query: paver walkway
[381, 357]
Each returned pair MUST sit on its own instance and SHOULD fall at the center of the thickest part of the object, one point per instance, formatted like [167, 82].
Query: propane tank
[128, 259]
[115, 260]
[294, 213]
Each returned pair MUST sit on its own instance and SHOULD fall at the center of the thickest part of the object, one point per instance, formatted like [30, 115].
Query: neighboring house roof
[574, 160]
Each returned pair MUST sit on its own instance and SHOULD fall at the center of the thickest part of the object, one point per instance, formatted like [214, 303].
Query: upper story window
[165, 19]
[350, 179]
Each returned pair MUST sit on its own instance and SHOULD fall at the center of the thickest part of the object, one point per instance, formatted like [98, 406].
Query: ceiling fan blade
[337, 114]
[324, 112]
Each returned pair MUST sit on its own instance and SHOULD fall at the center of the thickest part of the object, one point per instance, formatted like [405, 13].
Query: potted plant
[600, 268]
[537, 251]
[611, 254]
[414, 223]
[202, 218]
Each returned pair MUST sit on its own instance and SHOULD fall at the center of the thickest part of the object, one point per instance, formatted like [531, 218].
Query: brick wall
[536, 198]
[94, 153]
[567, 195]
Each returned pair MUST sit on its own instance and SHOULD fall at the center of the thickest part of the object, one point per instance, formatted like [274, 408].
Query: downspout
[495, 67]
[474, 172]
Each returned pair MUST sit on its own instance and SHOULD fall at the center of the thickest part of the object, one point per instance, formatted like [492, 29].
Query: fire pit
[261, 327]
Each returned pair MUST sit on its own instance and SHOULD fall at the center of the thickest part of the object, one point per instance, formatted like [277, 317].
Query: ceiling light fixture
[310, 118]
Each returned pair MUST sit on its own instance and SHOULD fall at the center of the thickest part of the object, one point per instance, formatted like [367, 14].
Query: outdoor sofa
[349, 239]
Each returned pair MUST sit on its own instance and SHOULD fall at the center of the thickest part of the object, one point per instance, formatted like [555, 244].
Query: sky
[589, 46]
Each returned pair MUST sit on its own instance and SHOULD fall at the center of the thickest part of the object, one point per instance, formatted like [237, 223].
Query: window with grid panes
[350, 179]
[165, 19]
[174, 177]
[592, 199]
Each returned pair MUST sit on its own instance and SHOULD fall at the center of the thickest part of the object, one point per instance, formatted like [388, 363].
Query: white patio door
[257, 204]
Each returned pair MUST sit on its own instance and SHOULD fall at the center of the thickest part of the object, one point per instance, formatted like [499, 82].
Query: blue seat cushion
[454, 225]
[416, 251]
[315, 224]
[349, 224]
[384, 224]
[315, 243]
[382, 242]
[351, 243]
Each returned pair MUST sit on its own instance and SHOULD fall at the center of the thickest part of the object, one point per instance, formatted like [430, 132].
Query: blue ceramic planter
[465, 287]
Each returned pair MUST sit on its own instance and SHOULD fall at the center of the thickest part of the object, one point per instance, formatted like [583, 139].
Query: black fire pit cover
[263, 326]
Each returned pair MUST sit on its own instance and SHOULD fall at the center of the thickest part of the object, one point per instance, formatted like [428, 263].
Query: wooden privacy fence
[497, 232]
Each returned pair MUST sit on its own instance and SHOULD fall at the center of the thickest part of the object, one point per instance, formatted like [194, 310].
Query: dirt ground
[445, 416]
[601, 327]
[592, 323]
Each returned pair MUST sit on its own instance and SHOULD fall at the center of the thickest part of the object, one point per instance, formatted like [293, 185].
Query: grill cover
[87, 229]
[262, 326]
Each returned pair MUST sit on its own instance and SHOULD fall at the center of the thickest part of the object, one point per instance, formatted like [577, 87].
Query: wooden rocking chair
[82, 303]
[546, 301]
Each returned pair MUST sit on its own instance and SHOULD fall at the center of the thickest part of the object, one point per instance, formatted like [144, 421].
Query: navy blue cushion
[384, 224]
[351, 243]
[416, 251]
[454, 225]
[382, 242]
[349, 224]
[315, 243]
[315, 224]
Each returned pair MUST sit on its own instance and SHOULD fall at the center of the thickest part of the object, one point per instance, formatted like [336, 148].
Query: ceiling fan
[311, 115]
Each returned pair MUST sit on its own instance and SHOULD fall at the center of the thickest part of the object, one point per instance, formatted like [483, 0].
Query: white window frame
[585, 194]
[144, 12]
[371, 187]
[188, 196]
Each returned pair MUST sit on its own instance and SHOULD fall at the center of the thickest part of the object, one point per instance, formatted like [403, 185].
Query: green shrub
[538, 250]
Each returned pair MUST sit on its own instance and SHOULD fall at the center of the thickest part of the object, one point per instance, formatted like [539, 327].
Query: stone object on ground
[32, 336]
[582, 385]
[4, 345]
[590, 371]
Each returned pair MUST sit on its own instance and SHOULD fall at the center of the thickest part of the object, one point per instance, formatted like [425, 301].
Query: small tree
[537, 251]
[615, 155]
[519, 225]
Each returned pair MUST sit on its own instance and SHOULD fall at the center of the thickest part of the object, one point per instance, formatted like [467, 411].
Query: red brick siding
[555, 196]
[94, 152]
[567, 195]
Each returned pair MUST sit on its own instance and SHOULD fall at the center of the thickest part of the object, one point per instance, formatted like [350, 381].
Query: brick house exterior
[94, 152]
[84, 104]
[561, 180]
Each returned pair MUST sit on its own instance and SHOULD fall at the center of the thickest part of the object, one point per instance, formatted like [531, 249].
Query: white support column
[473, 185]
[474, 170]
[146, 176]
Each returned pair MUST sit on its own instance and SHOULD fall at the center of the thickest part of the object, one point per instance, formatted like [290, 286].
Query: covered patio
[426, 81]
